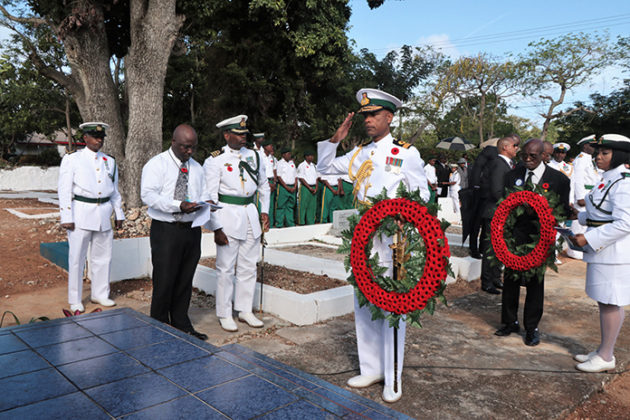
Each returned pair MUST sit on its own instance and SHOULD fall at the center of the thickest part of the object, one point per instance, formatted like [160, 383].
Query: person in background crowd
[287, 180]
[331, 188]
[547, 151]
[478, 175]
[271, 163]
[491, 192]
[607, 238]
[88, 194]
[307, 175]
[585, 176]
[429, 170]
[462, 170]
[454, 187]
[443, 172]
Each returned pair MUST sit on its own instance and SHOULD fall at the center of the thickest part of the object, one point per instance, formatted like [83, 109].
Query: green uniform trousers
[307, 206]
[325, 205]
[285, 207]
[347, 201]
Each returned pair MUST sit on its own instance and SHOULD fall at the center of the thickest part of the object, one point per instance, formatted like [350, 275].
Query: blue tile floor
[122, 364]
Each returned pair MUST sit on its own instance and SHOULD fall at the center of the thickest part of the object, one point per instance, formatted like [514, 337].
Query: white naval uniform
[375, 339]
[429, 170]
[453, 190]
[609, 265]
[240, 224]
[585, 177]
[91, 175]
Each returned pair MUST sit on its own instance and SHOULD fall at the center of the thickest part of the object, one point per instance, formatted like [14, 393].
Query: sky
[467, 27]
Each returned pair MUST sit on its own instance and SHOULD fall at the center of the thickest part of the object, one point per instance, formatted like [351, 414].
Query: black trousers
[490, 273]
[175, 252]
[532, 313]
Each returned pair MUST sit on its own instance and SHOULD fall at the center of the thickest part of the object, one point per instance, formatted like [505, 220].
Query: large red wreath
[435, 268]
[540, 253]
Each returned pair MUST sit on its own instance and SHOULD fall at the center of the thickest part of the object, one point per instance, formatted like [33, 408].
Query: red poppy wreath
[539, 255]
[435, 266]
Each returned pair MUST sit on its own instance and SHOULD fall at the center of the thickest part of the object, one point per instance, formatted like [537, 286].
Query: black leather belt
[91, 200]
[596, 223]
[182, 225]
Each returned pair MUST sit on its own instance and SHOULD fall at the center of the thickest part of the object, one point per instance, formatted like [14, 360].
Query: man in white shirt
[88, 193]
[287, 186]
[307, 175]
[233, 179]
[271, 165]
[173, 186]
[429, 171]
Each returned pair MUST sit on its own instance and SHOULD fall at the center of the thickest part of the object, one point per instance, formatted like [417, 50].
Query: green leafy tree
[559, 65]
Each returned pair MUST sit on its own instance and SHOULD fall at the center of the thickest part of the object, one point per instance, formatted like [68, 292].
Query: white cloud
[442, 43]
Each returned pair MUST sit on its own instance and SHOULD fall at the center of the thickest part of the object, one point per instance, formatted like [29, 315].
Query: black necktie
[511, 164]
[529, 182]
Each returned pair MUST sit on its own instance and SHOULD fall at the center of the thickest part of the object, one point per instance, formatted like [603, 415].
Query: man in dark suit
[479, 172]
[491, 192]
[443, 172]
[533, 172]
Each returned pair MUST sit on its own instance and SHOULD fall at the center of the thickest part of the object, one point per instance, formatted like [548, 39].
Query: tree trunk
[69, 138]
[154, 28]
[93, 88]
[482, 109]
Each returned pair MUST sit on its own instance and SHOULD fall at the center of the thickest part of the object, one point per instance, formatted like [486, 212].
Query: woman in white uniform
[607, 237]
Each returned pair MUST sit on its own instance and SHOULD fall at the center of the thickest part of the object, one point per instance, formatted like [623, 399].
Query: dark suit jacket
[558, 182]
[492, 190]
[482, 165]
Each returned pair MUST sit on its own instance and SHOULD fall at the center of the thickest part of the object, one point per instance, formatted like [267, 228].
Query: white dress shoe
[228, 324]
[103, 302]
[251, 320]
[389, 395]
[362, 381]
[77, 307]
[596, 364]
[584, 357]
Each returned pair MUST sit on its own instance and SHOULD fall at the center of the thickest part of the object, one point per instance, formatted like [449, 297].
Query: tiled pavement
[122, 364]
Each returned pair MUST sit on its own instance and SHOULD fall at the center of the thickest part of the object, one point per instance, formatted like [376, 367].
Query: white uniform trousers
[100, 243]
[375, 339]
[576, 228]
[243, 253]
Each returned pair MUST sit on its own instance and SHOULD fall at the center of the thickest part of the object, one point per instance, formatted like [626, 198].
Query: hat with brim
[266, 143]
[285, 150]
[613, 141]
[587, 139]
[561, 147]
[461, 160]
[309, 153]
[259, 135]
[373, 100]
[236, 125]
[94, 128]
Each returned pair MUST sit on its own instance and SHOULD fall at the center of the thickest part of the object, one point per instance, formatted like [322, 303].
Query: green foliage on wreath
[414, 265]
[523, 249]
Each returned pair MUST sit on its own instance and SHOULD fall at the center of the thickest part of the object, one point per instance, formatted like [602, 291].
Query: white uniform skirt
[608, 283]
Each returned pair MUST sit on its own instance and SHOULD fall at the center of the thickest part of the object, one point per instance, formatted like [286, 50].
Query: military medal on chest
[393, 164]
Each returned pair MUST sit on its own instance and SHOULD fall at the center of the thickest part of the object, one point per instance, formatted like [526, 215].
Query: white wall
[29, 178]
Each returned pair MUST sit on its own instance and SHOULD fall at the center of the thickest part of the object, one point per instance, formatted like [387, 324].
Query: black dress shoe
[197, 334]
[532, 338]
[498, 285]
[492, 290]
[508, 329]
[476, 255]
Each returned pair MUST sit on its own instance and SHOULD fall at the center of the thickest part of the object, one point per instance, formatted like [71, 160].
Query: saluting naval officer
[88, 193]
[392, 162]
[173, 186]
[233, 178]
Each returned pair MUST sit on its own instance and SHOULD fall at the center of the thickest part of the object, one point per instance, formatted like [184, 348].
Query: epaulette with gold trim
[216, 153]
[402, 144]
